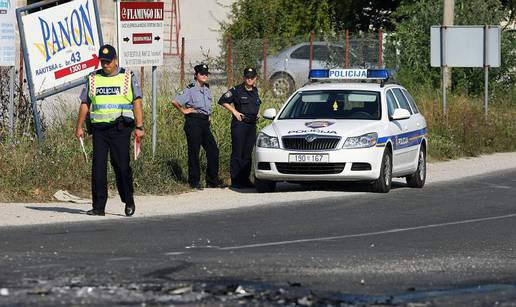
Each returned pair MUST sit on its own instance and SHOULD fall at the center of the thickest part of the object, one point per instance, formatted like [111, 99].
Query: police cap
[250, 72]
[107, 53]
[201, 69]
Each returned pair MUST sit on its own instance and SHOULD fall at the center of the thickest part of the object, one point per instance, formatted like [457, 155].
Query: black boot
[95, 212]
[129, 209]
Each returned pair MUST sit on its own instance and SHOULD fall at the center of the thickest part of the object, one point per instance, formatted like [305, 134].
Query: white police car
[342, 131]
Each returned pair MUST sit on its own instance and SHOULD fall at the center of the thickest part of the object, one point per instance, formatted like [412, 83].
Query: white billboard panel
[140, 33]
[464, 46]
[7, 33]
[61, 44]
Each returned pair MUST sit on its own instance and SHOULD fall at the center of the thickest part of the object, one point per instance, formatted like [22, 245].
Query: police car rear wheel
[383, 183]
[417, 180]
[264, 186]
[282, 85]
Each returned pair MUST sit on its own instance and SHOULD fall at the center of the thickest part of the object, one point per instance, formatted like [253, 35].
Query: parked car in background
[289, 69]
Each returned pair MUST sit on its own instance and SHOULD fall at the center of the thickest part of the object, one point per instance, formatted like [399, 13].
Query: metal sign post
[140, 42]
[154, 111]
[11, 104]
[443, 66]
[486, 70]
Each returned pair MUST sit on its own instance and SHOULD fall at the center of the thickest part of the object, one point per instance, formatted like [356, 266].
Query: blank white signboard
[464, 46]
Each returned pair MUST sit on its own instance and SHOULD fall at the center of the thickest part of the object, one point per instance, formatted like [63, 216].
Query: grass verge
[33, 173]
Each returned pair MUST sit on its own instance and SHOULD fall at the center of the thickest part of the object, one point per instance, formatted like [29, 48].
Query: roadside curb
[24, 214]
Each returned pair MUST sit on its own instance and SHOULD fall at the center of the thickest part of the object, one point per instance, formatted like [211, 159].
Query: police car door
[405, 144]
[420, 123]
[395, 128]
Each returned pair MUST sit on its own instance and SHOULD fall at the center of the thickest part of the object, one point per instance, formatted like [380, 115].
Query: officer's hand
[239, 116]
[79, 133]
[188, 110]
[139, 133]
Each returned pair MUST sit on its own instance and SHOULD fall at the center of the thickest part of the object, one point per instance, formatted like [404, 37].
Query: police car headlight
[266, 141]
[362, 141]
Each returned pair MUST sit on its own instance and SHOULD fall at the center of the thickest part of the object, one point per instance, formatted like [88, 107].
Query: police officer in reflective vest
[113, 100]
[244, 103]
[195, 103]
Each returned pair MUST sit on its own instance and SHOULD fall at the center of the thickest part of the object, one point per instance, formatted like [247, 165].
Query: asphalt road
[448, 244]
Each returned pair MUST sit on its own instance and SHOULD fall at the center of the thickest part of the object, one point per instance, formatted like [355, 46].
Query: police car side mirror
[400, 114]
[269, 113]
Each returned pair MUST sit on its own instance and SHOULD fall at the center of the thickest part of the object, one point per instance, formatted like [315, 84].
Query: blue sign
[7, 33]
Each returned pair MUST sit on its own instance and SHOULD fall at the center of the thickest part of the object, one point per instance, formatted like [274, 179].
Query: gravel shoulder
[21, 214]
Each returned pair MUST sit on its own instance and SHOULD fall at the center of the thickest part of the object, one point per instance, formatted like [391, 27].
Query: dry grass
[29, 172]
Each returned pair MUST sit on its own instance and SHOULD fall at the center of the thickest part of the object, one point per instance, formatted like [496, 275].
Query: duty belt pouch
[119, 123]
[123, 122]
[249, 119]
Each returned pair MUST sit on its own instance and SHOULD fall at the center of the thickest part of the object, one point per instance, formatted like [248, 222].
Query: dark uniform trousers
[198, 133]
[116, 140]
[243, 137]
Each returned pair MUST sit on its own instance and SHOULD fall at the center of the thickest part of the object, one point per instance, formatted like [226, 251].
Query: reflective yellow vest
[111, 97]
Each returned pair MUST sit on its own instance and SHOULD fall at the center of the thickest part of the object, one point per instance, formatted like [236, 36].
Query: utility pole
[449, 6]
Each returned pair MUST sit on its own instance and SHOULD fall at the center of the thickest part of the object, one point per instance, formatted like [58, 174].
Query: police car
[340, 128]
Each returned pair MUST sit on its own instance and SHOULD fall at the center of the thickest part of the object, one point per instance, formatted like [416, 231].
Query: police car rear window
[333, 104]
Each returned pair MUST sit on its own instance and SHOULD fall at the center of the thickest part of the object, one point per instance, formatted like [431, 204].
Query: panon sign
[61, 44]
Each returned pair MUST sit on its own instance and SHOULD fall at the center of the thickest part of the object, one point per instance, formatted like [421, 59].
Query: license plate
[309, 158]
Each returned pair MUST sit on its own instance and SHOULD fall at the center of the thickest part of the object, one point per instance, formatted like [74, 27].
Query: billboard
[60, 45]
[465, 46]
[7, 33]
[140, 33]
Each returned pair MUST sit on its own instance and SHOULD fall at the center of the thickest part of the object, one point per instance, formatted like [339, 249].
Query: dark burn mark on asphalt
[228, 292]
[167, 272]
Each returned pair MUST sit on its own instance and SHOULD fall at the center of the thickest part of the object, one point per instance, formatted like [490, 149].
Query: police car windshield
[333, 104]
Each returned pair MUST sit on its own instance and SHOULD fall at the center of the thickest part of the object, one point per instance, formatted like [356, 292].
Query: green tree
[409, 46]
[283, 18]
[359, 15]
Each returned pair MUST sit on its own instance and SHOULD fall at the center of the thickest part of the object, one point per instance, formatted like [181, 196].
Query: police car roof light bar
[349, 74]
[378, 74]
[318, 74]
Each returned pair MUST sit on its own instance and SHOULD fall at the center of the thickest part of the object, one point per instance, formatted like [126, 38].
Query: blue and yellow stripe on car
[403, 140]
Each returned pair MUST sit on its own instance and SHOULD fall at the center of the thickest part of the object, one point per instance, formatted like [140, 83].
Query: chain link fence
[283, 64]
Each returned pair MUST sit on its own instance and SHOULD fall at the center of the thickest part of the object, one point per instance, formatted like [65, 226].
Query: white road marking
[174, 253]
[368, 233]
[498, 186]
[120, 259]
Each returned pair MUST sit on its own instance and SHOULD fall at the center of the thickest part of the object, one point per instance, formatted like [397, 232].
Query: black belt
[198, 115]
[249, 119]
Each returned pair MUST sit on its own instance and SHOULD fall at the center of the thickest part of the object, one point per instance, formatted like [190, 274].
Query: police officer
[113, 100]
[244, 103]
[196, 105]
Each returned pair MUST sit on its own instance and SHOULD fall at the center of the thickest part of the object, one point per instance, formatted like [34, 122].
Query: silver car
[289, 69]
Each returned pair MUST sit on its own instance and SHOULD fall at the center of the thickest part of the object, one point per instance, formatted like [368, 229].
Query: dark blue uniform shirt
[244, 101]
